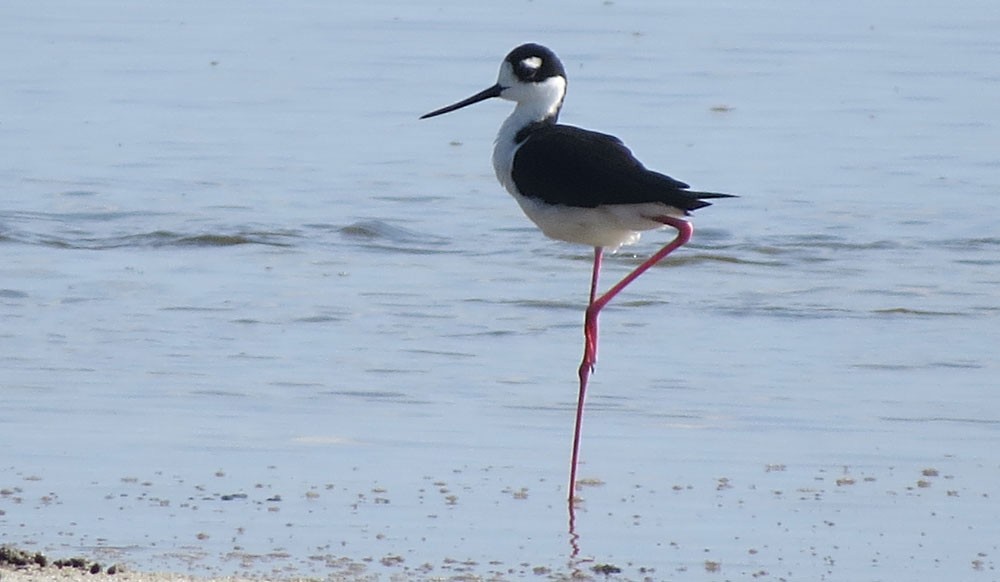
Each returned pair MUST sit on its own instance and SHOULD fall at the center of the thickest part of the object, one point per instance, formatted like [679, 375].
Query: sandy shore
[17, 565]
[72, 574]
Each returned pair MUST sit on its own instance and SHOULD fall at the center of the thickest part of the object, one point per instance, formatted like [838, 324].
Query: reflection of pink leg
[684, 232]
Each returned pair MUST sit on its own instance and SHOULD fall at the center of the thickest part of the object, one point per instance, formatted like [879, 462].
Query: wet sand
[35, 575]
[17, 564]
[774, 522]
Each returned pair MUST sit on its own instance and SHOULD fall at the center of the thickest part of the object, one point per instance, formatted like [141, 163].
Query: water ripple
[382, 236]
[978, 243]
[708, 258]
[935, 419]
[906, 311]
[153, 239]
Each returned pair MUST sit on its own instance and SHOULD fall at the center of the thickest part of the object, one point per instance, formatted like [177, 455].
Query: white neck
[535, 102]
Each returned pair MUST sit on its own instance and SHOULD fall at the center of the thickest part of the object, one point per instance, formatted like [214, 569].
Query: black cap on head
[533, 63]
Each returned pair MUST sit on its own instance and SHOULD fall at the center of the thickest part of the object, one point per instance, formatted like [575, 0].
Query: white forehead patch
[532, 62]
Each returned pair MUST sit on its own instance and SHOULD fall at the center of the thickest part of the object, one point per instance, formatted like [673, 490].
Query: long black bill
[493, 91]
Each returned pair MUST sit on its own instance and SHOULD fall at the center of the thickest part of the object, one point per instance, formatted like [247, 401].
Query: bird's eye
[527, 68]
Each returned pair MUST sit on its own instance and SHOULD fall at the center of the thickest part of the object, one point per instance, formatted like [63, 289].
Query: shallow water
[234, 262]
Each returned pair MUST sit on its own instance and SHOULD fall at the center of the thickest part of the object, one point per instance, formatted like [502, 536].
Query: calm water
[254, 316]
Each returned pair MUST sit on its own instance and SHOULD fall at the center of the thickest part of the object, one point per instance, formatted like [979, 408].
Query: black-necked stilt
[577, 185]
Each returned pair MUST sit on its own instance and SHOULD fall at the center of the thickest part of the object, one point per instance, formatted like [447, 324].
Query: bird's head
[531, 75]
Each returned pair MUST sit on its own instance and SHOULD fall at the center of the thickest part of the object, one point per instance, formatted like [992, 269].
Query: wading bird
[578, 186]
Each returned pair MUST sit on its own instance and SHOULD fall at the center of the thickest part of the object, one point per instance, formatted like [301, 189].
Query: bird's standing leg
[684, 232]
[590, 323]
[586, 367]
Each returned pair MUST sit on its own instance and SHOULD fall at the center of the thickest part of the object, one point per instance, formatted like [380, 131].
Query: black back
[566, 165]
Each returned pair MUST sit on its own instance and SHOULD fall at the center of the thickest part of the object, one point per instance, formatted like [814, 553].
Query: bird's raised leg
[684, 232]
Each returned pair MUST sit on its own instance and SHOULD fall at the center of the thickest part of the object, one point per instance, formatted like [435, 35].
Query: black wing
[562, 164]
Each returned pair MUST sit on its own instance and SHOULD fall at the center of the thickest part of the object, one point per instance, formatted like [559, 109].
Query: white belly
[605, 226]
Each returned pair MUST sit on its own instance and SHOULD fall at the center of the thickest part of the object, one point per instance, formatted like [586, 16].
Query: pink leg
[586, 367]
[684, 232]
[590, 328]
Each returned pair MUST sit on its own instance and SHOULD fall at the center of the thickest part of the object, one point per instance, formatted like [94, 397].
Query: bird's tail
[698, 198]
[710, 194]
